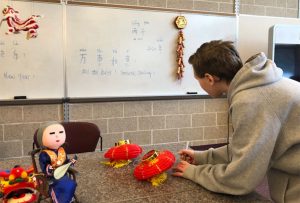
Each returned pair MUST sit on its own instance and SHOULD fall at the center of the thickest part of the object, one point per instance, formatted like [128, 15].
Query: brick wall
[280, 8]
[18, 124]
[157, 122]
[198, 121]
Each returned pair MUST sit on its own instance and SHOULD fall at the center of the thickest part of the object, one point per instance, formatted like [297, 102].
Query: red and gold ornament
[153, 166]
[180, 23]
[121, 154]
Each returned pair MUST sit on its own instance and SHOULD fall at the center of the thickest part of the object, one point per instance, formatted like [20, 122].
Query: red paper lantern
[154, 163]
[123, 151]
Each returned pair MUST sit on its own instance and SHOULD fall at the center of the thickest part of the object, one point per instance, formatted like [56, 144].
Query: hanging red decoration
[122, 153]
[15, 24]
[180, 23]
[153, 166]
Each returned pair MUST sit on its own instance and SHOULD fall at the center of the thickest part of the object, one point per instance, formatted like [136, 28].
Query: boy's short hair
[218, 58]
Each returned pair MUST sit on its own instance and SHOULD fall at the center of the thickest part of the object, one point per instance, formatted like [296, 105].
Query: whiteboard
[118, 52]
[34, 67]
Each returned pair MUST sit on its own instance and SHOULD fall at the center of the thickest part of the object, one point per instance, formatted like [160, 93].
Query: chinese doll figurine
[51, 137]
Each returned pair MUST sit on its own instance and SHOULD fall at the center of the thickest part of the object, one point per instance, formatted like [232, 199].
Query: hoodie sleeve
[256, 128]
[212, 156]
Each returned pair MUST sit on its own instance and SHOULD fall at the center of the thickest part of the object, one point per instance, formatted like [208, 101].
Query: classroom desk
[99, 183]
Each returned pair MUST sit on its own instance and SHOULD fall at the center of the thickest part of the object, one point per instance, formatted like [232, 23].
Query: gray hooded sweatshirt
[265, 112]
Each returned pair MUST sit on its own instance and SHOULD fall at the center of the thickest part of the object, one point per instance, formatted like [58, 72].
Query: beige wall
[144, 122]
[249, 45]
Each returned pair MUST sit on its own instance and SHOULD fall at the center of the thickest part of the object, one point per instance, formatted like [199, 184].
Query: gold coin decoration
[180, 22]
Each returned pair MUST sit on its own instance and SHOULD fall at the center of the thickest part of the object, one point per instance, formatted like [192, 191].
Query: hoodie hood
[257, 71]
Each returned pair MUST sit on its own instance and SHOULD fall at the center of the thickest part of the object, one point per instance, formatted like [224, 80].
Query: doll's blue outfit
[63, 189]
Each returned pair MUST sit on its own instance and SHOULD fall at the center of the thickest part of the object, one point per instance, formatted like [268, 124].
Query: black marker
[20, 97]
[192, 93]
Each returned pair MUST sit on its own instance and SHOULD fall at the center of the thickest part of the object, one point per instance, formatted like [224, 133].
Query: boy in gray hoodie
[264, 108]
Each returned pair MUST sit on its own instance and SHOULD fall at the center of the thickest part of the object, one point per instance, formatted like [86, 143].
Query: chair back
[80, 137]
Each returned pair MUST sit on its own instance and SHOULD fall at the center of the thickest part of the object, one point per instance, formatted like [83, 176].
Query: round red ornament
[154, 163]
[123, 150]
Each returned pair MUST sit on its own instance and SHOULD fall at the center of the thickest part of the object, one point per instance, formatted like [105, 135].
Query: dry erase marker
[187, 144]
[20, 97]
[192, 93]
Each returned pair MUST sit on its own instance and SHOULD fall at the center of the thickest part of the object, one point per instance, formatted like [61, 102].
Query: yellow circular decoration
[11, 177]
[180, 22]
[122, 142]
[24, 174]
[150, 156]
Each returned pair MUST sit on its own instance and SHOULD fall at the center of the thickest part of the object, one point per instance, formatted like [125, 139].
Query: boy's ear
[209, 78]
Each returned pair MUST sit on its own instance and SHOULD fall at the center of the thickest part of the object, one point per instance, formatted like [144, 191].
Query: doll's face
[54, 136]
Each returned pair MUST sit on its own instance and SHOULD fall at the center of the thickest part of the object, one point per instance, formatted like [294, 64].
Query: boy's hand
[180, 168]
[187, 155]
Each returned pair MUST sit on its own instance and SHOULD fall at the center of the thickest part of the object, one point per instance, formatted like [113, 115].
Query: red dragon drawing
[15, 24]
